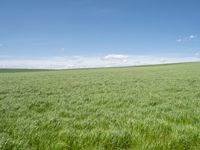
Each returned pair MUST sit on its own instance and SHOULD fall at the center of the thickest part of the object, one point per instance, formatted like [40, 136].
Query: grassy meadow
[140, 108]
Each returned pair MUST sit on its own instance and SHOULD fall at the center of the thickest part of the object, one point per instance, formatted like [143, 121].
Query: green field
[144, 108]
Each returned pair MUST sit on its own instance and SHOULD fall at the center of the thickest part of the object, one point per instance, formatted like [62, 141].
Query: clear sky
[33, 29]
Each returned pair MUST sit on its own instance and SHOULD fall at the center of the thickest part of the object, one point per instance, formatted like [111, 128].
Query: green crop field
[143, 108]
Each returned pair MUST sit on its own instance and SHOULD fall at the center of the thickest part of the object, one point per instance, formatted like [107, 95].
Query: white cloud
[185, 39]
[110, 60]
[179, 40]
[115, 56]
[192, 37]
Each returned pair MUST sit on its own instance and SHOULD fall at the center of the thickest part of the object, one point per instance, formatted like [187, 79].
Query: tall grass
[155, 107]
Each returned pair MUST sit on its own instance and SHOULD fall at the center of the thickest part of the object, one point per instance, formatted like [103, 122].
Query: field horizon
[44, 69]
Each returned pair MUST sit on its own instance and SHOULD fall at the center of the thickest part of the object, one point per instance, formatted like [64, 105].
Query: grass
[20, 70]
[152, 107]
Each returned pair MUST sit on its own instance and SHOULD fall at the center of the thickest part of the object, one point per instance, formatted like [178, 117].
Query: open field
[148, 107]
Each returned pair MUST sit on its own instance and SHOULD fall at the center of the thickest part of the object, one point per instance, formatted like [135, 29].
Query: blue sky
[36, 29]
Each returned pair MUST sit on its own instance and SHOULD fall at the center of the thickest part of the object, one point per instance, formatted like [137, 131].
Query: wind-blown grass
[153, 107]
